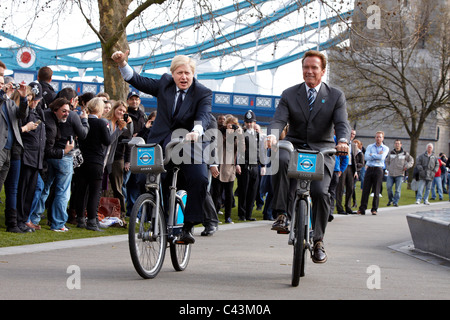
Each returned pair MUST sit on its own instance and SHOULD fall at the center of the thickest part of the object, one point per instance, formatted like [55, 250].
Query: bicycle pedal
[177, 241]
[282, 232]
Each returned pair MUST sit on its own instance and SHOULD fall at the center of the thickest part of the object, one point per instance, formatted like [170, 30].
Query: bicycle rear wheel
[147, 245]
[299, 244]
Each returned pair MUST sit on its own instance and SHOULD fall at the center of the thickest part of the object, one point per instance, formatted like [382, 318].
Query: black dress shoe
[14, 230]
[25, 228]
[209, 231]
[186, 237]
[319, 254]
[250, 219]
[281, 224]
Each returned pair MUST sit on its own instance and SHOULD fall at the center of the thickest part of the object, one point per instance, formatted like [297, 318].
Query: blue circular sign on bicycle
[306, 163]
[145, 156]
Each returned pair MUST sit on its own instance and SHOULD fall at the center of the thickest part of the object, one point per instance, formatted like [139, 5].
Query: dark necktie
[311, 98]
[179, 103]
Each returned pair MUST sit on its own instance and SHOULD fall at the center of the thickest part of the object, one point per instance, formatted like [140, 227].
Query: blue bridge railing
[233, 103]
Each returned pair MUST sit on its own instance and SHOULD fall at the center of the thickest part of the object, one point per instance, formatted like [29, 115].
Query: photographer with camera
[61, 127]
[32, 158]
[233, 146]
[10, 145]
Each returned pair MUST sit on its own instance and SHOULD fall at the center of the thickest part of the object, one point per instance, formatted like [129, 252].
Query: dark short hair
[314, 53]
[58, 103]
[45, 74]
[67, 93]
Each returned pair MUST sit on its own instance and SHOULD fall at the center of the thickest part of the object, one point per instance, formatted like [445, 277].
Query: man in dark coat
[184, 105]
[313, 110]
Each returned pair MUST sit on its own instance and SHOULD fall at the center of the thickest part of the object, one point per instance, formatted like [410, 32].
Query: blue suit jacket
[196, 107]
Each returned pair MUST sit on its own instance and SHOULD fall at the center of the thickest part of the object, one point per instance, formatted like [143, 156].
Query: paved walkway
[370, 257]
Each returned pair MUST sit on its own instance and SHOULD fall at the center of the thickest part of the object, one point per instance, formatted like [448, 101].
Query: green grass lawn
[46, 235]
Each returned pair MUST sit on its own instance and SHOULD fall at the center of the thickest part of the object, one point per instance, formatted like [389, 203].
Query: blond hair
[232, 120]
[182, 61]
[96, 106]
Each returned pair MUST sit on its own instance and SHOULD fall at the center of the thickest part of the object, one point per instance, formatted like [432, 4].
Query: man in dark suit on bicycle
[183, 103]
[313, 110]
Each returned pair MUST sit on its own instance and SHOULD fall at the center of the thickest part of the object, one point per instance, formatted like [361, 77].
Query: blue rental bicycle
[150, 228]
[305, 166]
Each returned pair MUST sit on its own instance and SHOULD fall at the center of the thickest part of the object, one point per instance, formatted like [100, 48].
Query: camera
[234, 127]
[125, 117]
[15, 86]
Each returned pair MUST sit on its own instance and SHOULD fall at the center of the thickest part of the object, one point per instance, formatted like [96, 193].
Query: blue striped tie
[311, 98]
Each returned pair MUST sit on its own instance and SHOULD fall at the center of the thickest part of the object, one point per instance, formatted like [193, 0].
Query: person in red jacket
[437, 183]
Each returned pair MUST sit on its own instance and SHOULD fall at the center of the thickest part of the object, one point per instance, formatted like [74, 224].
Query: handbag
[109, 207]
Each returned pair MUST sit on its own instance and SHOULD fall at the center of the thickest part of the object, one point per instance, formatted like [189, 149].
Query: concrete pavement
[369, 257]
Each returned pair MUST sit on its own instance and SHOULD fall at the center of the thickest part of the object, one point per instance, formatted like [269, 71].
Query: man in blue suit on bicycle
[182, 104]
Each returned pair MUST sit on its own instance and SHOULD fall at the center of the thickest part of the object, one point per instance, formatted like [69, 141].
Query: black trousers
[248, 182]
[346, 183]
[25, 192]
[332, 190]
[216, 192]
[284, 194]
[372, 181]
[228, 191]
[88, 189]
[211, 219]
[194, 179]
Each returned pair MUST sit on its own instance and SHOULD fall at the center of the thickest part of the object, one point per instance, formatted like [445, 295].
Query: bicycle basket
[306, 165]
[147, 158]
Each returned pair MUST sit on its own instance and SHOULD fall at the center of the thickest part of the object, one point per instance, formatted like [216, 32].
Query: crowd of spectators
[59, 151]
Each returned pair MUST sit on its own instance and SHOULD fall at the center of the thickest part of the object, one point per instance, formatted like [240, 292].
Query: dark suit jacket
[196, 106]
[97, 141]
[58, 133]
[315, 128]
[14, 113]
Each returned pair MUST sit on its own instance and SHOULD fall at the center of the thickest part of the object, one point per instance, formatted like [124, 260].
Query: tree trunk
[413, 152]
[113, 38]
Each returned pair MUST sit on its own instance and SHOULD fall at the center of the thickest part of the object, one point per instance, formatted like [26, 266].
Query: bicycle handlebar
[169, 148]
[140, 142]
[288, 146]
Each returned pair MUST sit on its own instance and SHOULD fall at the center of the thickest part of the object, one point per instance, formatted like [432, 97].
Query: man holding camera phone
[10, 142]
[61, 126]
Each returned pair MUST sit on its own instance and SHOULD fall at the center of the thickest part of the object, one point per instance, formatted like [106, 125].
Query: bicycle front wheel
[299, 230]
[180, 254]
[147, 236]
